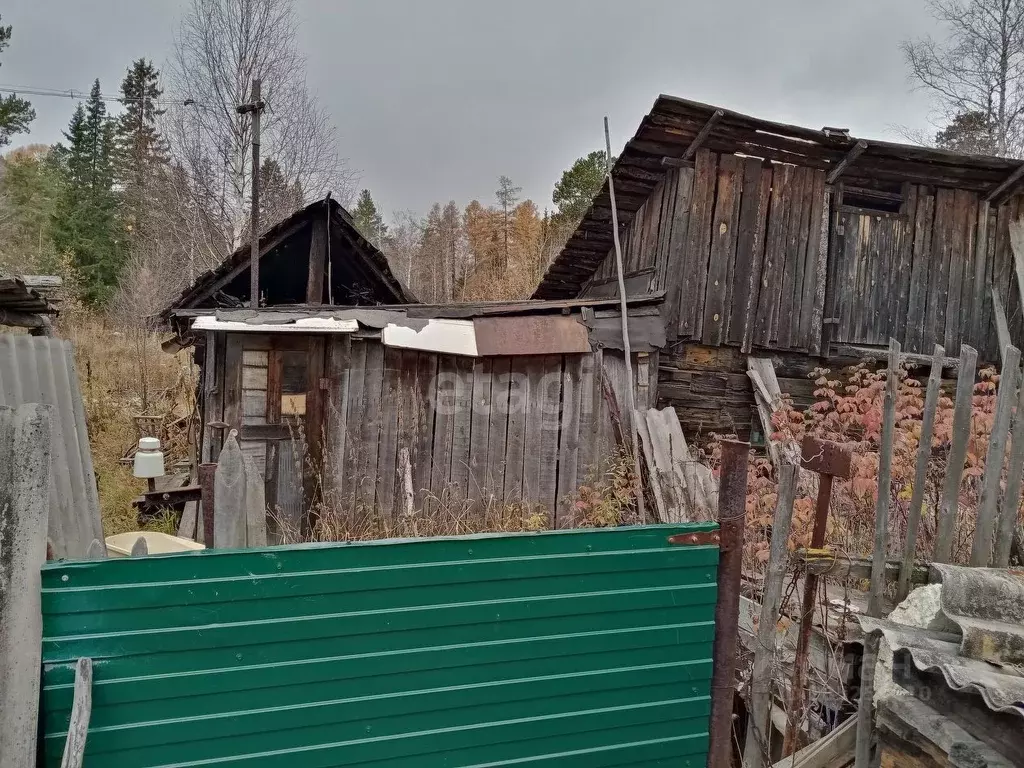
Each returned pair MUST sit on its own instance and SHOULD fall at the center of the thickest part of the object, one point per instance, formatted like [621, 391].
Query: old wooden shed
[374, 406]
[808, 246]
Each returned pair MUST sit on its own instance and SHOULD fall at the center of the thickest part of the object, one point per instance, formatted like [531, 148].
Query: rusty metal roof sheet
[984, 657]
[35, 369]
[673, 123]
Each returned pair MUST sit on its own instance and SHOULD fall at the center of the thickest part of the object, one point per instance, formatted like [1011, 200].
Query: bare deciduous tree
[978, 68]
[221, 46]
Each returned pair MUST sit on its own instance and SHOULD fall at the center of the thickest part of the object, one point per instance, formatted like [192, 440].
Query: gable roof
[674, 123]
[370, 260]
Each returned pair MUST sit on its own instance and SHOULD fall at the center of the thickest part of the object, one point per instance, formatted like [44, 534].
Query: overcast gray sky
[434, 99]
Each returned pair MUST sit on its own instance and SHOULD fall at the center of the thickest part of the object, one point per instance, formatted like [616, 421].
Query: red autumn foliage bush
[848, 409]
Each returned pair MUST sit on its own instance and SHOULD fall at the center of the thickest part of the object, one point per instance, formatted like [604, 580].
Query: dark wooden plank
[917, 302]
[796, 258]
[757, 211]
[339, 361]
[938, 273]
[515, 441]
[782, 309]
[746, 231]
[233, 381]
[698, 245]
[313, 465]
[423, 439]
[573, 383]
[354, 446]
[443, 405]
[462, 427]
[813, 286]
[668, 206]
[397, 421]
[963, 202]
[317, 262]
[497, 431]
[723, 249]
[648, 254]
[674, 260]
[905, 261]
[366, 473]
[774, 259]
[979, 294]
[535, 405]
[479, 490]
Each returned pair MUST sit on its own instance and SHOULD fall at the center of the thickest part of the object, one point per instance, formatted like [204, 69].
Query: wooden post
[949, 504]
[624, 311]
[732, 511]
[759, 723]
[1010, 502]
[81, 711]
[865, 718]
[317, 261]
[1009, 378]
[924, 452]
[25, 439]
[208, 483]
[229, 518]
[878, 554]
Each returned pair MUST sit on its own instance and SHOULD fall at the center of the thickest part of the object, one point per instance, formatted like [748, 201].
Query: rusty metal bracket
[696, 539]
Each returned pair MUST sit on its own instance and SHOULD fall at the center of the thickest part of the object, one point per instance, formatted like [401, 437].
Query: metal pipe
[207, 477]
[732, 507]
[796, 700]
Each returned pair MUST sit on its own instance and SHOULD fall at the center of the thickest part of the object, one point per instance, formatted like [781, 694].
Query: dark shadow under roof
[674, 123]
[372, 262]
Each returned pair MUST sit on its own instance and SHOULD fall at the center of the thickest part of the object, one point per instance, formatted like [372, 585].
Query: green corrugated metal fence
[583, 649]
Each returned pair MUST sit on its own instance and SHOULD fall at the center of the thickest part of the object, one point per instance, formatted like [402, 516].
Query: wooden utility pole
[255, 107]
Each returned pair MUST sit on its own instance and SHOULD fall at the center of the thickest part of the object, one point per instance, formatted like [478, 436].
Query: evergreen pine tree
[84, 216]
[368, 219]
[15, 112]
[140, 151]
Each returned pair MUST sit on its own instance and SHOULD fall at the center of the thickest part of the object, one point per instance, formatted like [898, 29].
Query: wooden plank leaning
[24, 504]
[1009, 504]
[949, 504]
[1009, 378]
[924, 451]
[759, 723]
[81, 711]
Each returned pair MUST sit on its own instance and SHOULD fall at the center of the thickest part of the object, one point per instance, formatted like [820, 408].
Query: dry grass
[123, 373]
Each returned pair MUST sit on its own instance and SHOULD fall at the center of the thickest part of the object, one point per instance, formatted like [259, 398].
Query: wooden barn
[809, 247]
[357, 401]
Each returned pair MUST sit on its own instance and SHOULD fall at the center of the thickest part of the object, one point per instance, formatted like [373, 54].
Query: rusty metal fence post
[732, 507]
[207, 478]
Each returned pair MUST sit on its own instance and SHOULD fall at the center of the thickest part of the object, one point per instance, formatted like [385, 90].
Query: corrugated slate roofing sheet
[36, 369]
[987, 654]
[580, 649]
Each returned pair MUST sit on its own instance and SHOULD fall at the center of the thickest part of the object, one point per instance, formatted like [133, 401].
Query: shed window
[872, 200]
[294, 374]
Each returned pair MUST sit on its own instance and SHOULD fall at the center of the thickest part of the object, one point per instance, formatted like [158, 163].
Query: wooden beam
[856, 151]
[317, 262]
[21, 319]
[698, 140]
[996, 195]
[1002, 326]
[81, 711]
[825, 752]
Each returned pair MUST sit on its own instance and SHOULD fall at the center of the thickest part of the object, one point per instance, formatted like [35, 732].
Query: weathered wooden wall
[766, 256]
[495, 430]
[736, 244]
[923, 275]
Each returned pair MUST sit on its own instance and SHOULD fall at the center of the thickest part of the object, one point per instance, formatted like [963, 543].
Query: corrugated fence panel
[569, 648]
[36, 369]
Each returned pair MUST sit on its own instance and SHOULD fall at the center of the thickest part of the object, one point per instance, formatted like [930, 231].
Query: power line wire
[72, 93]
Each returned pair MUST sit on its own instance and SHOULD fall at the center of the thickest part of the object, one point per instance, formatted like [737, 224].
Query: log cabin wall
[328, 418]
